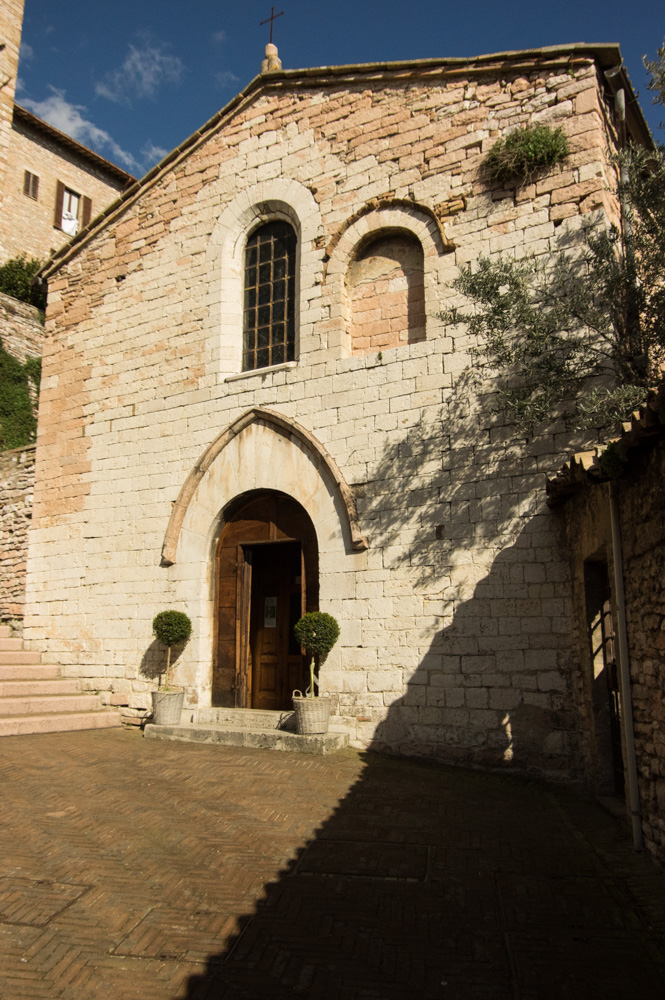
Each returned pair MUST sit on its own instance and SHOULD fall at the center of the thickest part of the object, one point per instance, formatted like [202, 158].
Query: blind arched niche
[385, 289]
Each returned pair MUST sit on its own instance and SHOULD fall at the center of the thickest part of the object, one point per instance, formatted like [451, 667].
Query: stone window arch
[276, 201]
[385, 289]
[269, 306]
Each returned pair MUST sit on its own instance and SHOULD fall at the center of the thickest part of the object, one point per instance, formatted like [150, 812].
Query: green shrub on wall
[526, 152]
[15, 277]
[19, 388]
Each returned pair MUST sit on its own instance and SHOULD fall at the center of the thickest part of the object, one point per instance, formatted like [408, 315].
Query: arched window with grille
[270, 295]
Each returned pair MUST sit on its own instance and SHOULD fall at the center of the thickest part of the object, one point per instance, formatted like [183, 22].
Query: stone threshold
[245, 736]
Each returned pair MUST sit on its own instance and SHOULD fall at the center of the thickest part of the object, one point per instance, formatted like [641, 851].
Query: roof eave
[66, 140]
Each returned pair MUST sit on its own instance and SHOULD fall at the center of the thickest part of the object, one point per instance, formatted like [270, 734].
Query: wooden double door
[266, 578]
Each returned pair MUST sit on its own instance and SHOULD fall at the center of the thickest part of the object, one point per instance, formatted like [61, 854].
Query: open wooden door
[266, 578]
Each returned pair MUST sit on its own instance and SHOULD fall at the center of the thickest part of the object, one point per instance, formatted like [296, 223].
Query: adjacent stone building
[50, 185]
[251, 407]
[621, 487]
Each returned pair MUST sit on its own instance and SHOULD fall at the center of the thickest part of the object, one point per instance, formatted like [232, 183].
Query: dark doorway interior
[276, 662]
[605, 685]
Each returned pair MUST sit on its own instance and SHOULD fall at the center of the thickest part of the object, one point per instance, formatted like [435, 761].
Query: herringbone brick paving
[137, 869]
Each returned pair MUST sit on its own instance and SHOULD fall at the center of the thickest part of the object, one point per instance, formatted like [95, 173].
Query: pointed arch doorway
[266, 577]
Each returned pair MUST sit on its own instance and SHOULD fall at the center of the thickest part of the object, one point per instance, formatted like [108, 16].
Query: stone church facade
[250, 408]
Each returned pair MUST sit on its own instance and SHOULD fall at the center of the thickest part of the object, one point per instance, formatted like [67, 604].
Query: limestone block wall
[17, 476]
[26, 223]
[457, 619]
[21, 332]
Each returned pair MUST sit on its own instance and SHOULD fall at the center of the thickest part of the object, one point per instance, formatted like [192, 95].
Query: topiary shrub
[170, 628]
[525, 152]
[15, 277]
[317, 632]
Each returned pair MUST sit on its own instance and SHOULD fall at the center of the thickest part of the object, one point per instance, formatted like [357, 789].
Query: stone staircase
[34, 698]
[244, 727]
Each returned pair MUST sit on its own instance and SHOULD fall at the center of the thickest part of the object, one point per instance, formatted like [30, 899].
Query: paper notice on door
[270, 613]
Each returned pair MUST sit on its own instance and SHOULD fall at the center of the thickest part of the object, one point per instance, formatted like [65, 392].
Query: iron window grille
[269, 307]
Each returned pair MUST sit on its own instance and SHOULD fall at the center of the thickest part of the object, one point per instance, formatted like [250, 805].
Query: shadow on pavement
[433, 882]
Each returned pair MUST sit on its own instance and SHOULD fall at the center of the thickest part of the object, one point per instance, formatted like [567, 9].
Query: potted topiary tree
[317, 632]
[169, 628]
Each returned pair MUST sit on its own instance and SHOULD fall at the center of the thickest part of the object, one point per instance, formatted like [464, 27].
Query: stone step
[26, 688]
[20, 725]
[242, 718]
[34, 698]
[263, 739]
[19, 657]
[54, 704]
[9, 644]
[28, 672]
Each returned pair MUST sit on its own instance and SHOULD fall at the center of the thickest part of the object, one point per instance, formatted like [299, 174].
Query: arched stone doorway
[266, 577]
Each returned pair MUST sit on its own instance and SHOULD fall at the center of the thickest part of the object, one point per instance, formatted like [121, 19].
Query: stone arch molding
[370, 224]
[264, 202]
[305, 471]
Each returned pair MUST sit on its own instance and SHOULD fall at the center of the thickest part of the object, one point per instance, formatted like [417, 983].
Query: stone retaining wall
[21, 332]
[17, 477]
[21, 329]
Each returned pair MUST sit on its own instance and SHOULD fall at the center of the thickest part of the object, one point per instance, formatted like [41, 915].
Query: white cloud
[218, 37]
[225, 78]
[152, 154]
[142, 73]
[26, 53]
[69, 118]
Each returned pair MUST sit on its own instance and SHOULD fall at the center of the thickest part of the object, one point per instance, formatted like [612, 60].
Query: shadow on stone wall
[153, 661]
[494, 688]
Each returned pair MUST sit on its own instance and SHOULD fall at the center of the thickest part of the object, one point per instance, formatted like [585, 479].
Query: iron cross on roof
[273, 17]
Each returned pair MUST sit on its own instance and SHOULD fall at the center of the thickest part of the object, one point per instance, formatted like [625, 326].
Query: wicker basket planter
[167, 707]
[312, 714]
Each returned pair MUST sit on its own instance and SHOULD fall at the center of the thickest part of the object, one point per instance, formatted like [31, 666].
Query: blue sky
[133, 78]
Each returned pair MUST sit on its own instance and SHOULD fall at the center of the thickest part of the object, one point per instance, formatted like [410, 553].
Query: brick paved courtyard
[136, 869]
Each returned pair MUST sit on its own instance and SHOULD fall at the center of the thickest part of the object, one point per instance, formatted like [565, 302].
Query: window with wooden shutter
[30, 185]
[59, 199]
[72, 212]
[87, 212]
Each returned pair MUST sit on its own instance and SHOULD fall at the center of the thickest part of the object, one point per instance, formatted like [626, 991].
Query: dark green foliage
[612, 461]
[171, 627]
[581, 332]
[15, 277]
[33, 369]
[526, 152]
[317, 632]
[18, 420]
